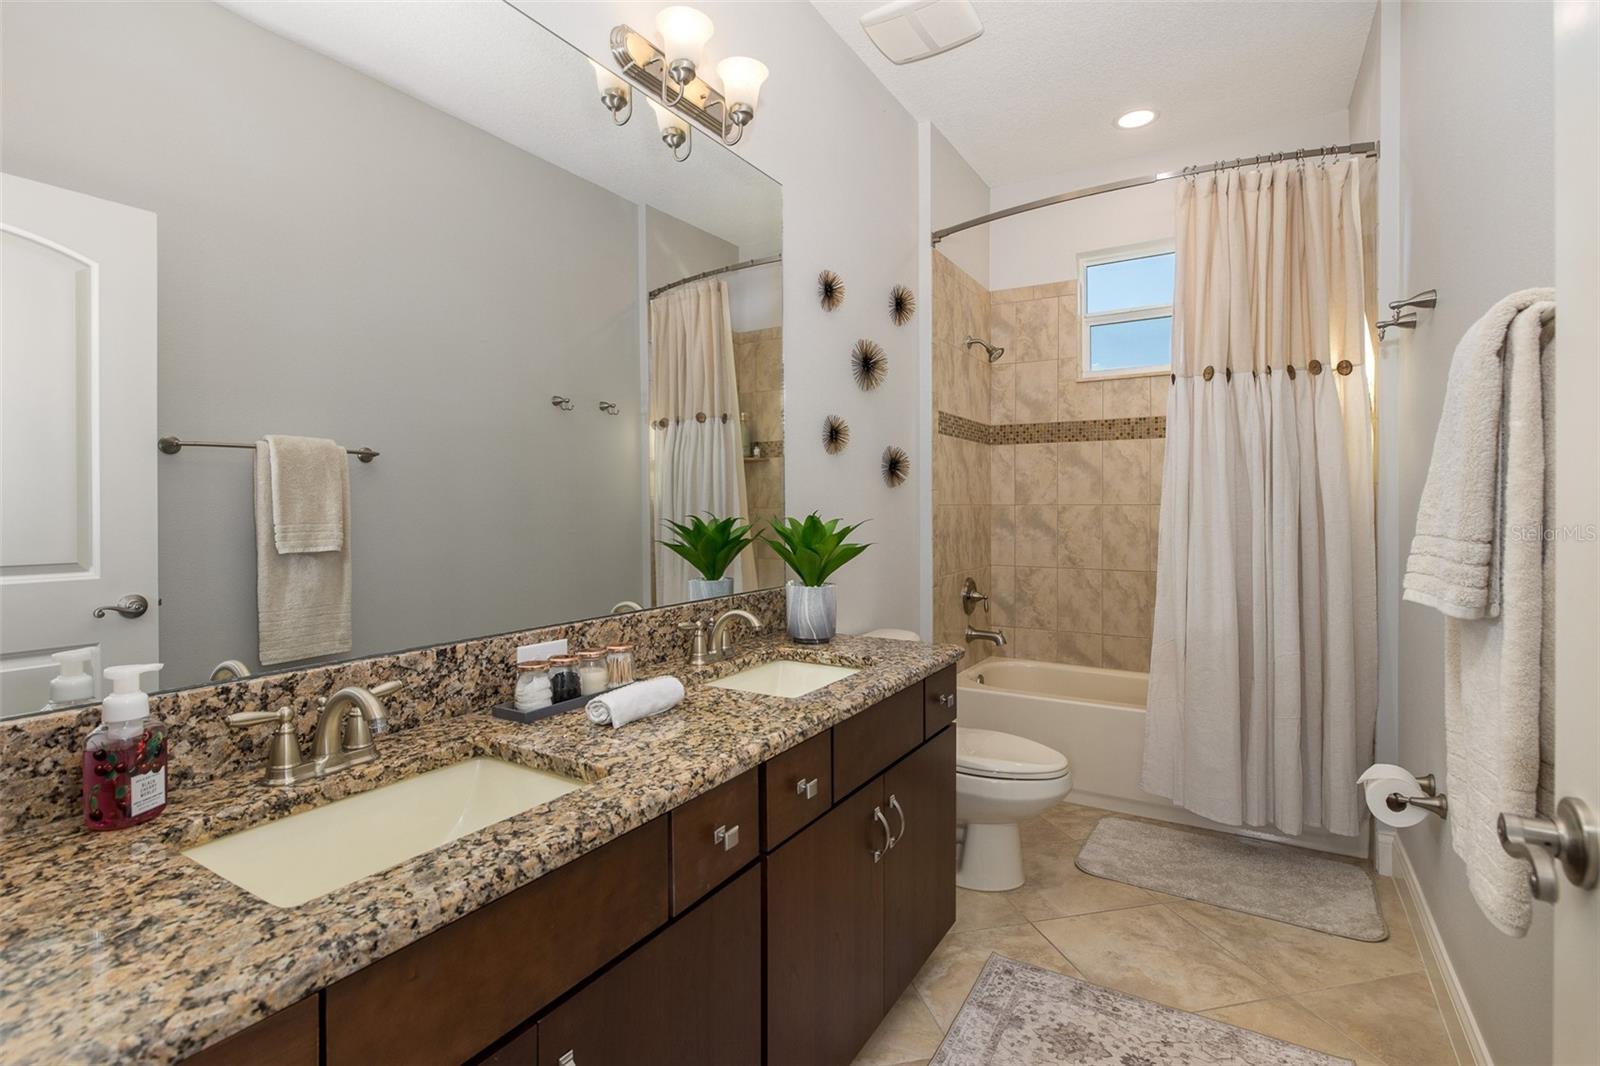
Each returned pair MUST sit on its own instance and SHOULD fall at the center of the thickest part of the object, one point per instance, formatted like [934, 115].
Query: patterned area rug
[1238, 873]
[1020, 1015]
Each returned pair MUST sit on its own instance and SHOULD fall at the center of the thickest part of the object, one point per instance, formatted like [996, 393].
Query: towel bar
[174, 445]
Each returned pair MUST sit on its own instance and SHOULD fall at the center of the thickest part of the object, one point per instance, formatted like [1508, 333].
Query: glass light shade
[666, 120]
[606, 81]
[741, 79]
[684, 33]
[1132, 120]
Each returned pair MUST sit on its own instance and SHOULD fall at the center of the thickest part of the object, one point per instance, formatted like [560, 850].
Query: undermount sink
[294, 859]
[784, 677]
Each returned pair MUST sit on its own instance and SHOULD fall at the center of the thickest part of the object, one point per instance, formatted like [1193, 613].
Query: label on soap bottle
[146, 792]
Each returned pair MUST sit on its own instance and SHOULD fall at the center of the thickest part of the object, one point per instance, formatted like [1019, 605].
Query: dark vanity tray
[509, 711]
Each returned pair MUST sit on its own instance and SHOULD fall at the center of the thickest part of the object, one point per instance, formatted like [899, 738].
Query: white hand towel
[302, 600]
[1455, 556]
[1497, 704]
[633, 702]
[310, 494]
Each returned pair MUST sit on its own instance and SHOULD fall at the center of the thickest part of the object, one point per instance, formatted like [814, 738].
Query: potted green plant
[813, 549]
[709, 545]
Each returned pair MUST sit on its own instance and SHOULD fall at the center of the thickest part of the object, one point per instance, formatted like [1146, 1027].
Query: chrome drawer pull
[888, 837]
[894, 804]
[947, 699]
[806, 789]
[727, 836]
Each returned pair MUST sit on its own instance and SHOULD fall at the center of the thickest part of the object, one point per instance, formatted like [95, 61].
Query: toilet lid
[986, 753]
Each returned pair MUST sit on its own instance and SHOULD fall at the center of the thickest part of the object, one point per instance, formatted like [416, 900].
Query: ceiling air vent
[908, 30]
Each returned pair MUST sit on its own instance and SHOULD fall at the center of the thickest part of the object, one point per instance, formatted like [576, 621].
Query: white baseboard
[1383, 850]
[1465, 1036]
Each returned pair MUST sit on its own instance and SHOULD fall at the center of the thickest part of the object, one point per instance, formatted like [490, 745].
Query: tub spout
[997, 637]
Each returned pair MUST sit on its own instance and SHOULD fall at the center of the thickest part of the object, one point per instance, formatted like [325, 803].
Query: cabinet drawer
[796, 787]
[459, 989]
[291, 1037]
[939, 701]
[713, 836]
[865, 744]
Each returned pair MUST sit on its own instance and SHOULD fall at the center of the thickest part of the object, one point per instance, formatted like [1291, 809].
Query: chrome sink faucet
[347, 722]
[720, 643]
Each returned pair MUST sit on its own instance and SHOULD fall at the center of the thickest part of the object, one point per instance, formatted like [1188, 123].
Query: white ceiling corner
[1039, 92]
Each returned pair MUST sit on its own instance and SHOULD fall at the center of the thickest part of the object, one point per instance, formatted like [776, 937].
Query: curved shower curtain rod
[1366, 148]
[747, 264]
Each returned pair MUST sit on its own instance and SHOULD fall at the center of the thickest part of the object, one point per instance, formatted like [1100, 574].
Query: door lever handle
[128, 607]
[1569, 842]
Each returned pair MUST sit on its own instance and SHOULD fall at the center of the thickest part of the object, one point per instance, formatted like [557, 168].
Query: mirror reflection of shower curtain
[696, 463]
[1263, 665]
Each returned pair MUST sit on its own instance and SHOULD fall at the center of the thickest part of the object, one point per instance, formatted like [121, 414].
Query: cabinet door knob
[888, 837]
[727, 836]
[947, 699]
[806, 789]
[894, 805]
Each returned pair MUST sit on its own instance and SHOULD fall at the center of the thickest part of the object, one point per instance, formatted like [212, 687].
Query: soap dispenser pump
[125, 758]
[72, 683]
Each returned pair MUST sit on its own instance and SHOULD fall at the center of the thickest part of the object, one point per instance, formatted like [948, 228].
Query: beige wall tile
[1160, 387]
[1036, 392]
[1158, 459]
[1036, 535]
[770, 573]
[1002, 395]
[946, 469]
[1002, 536]
[1035, 605]
[1037, 644]
[1126, 397]
[973, 381]
[974, 470]
[1077, 401]
[1027, 330]
[1080, 466]
[1126, 531]
[1080, 649]
[1128, 602]
[1079, 600]
[1152, 518]
[1081, 539]
[1127, 471]
[769, 363]
[1036, 473]
[1036, 292]
[1002, 473]
[945, 548]
[1126, 653]
[1002, 592]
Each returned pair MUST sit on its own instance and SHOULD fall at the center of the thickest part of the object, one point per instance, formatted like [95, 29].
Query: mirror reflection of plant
[812, 548]
[708, 544]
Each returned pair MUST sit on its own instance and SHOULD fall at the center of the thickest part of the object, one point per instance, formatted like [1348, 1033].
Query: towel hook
[561, 402]
[1401, 320]
[608, 407]
[1425, 298]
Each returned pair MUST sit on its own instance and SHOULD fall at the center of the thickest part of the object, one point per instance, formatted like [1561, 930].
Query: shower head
[994, 352]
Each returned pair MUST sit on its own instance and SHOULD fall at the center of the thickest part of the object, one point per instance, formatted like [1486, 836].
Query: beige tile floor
[1367, 1002]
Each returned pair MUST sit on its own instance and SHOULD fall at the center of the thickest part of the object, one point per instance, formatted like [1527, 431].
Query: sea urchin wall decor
[869, 364]
[896, 466]
[830, 290]
[902, 305]
[835, 434]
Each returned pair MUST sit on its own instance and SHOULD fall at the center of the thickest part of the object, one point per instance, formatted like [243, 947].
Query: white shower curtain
[696, 466]
[1263, 687]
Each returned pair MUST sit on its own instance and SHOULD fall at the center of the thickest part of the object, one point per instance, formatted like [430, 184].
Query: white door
[1577, 506]
[77, 434]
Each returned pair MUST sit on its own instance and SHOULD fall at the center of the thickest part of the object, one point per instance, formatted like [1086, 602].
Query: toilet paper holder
[1432, 800]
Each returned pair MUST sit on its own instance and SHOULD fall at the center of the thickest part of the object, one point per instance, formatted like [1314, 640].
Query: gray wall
[337, 259]
[675, 250]
[1477, 118]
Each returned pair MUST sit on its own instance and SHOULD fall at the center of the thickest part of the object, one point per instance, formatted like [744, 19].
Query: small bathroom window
[1125, 307]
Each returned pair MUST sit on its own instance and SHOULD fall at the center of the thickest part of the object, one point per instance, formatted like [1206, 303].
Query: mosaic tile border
[1153, 427]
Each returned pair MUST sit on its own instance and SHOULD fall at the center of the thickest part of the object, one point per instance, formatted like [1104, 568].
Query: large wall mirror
[409, 228]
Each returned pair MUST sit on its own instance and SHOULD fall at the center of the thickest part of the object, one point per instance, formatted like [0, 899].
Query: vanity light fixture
[616, 96]
[1132, 120]
[670, 73]
[675, 132]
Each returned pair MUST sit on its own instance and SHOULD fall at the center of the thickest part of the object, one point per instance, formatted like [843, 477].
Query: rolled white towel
[633, 702]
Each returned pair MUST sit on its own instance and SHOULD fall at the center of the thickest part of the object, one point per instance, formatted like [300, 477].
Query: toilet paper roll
[1381, 780]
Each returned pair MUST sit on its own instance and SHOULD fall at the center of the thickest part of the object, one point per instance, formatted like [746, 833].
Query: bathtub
[1095, 717]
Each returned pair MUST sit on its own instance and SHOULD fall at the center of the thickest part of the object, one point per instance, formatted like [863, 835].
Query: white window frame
[1131, 314]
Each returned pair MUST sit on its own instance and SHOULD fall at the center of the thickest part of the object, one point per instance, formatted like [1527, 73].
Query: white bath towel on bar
[1455, 556]
[633, 702]
[310, 494]
[302, 599]
[1498, 670]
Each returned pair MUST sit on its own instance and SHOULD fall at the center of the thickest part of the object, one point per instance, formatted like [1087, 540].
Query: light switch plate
[527, 653]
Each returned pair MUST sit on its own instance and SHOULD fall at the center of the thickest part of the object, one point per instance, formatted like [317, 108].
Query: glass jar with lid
[533, 685]
[592, 671]
[619, 664]
[564, 678]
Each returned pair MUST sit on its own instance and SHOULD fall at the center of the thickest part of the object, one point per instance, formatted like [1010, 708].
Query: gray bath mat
[1020, 1015]
[1238, 873]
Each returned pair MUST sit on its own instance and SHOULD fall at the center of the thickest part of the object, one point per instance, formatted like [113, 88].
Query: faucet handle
[283, 752]
[697, 656]
[388, 688]
[283, 716]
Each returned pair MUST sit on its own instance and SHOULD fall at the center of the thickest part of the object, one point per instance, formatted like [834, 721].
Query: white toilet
[1001, 779]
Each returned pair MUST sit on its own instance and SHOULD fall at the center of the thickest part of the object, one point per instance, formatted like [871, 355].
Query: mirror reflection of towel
[303, 598]
[310, 479]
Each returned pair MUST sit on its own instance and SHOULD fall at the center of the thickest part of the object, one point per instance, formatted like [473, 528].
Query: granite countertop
[117, 947]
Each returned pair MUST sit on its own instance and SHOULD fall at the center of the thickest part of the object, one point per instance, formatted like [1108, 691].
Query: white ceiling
[1038, 94]
[489, 65]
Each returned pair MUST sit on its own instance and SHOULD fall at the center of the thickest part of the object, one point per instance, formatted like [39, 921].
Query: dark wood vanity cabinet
[919, 895]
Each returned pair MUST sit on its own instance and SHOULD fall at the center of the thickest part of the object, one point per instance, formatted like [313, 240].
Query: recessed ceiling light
[1134, 119]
